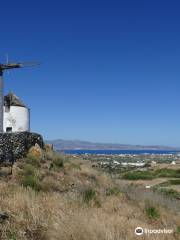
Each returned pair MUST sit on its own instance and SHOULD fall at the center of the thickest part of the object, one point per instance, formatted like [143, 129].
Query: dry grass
[59, 210]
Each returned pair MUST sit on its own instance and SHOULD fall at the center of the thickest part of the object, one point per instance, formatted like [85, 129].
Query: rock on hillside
[17, 145]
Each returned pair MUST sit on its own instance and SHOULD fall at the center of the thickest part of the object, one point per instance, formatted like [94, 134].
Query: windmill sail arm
[10, 65]
[29, 64]
[18, 65]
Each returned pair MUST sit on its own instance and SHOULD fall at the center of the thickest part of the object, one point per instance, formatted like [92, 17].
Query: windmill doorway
[9, 129]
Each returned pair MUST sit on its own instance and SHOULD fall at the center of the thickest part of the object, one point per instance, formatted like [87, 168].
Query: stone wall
[16, 145]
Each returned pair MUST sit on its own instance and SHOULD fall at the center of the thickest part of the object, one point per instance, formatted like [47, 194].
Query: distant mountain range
[60, 144]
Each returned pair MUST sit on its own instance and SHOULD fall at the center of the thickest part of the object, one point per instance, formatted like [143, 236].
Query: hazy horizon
[107, 142]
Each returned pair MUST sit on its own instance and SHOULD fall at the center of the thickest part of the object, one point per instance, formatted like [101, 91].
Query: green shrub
[174, 181]
[57, 162]
[178, 229]
[28, 177]
[152, 213]
[89, 195]
[97, 202]
[31, 181]
[163, 184]
[136, 175]
[170, 182]
[33, 160]
[27, 170]
[166, 172]
[11, 235]
[113, 191]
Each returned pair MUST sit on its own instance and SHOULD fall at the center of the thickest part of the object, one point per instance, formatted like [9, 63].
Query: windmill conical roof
[12, 100]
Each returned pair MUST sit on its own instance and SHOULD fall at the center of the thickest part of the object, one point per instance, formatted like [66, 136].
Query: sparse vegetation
[178, 229]
[169, 183]
[11, 235]
[57, 162]
[136, 175]
[174, 181]
[169, 192]
[31, 181]
[33, 160]
[66, 198]
[163, 172]
[152, 213]
[113, 191]
[28, 177]
[89, 194]
[73, 165]
[27, 170]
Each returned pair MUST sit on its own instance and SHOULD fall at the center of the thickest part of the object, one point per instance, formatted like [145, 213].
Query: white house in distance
[16, 114]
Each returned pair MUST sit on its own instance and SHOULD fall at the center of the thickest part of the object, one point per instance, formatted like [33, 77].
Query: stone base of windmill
[16, 145]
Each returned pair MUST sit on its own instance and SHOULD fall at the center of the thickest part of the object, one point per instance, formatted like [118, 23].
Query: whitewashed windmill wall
[16, 115]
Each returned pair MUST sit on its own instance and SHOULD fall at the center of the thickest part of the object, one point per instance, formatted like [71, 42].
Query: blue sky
[110, 70]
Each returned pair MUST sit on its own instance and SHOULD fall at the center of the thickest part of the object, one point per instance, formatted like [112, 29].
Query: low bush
[11, 235]
[136, 175]
[174, 181]
[178, 229]
[152, 213]
[169, 192]
[89, 194]
[57, 162]
[33, 160]
[170, 182]
[167, 172]
[73, 165]
[27, 170]
[113, 191]
[49, 185]
[145, 175]
[31, 181]
[27, 177]
[163, 184]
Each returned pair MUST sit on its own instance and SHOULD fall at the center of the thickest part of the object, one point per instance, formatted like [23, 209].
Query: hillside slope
[53, 197]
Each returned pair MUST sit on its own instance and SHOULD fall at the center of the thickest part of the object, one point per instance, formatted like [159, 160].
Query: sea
[116, 152]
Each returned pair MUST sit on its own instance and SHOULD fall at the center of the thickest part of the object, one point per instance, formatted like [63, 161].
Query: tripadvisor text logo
[139, 231]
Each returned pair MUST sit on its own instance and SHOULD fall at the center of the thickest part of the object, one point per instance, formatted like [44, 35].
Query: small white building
[135, 164]
[116, 162]
[16, 114]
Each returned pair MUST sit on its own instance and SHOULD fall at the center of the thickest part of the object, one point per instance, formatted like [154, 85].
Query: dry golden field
[57, 198]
